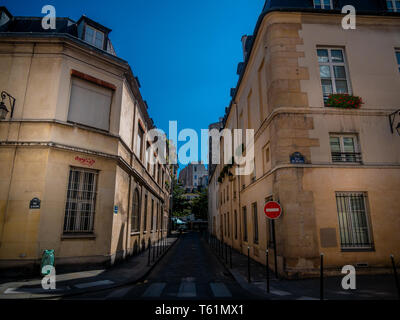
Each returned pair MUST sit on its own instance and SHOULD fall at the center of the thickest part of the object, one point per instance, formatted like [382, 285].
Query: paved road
[189, 271]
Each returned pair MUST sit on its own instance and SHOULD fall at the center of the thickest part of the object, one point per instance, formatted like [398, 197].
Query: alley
[189, 271]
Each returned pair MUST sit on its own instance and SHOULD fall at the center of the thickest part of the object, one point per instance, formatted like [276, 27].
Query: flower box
[344, 101]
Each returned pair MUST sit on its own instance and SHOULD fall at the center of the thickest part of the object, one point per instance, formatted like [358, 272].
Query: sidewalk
[130, 271]
[369, 287]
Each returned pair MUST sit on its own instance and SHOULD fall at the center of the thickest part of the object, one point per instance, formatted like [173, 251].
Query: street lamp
[3, 108]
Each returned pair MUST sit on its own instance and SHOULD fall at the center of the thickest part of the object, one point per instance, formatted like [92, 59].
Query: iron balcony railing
[353, 157]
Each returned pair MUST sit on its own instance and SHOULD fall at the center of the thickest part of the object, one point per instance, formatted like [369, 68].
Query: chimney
[244, 39]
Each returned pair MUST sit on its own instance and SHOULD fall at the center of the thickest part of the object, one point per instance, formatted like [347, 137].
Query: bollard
[267, 268]
[321, 280]
[154, 254]
[148, 261]
[248, 264]
[396, 278]
[230, 256]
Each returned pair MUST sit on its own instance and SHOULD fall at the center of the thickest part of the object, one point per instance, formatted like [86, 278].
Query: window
[139, 142]
[344, 148]
[393, 5]
[152, 215]
[81, 201]
[157, 213]
[145, 213]
[244, 210]
[398, 58]
[229, 226]
[225, 224]
[323, 4]
[94, 37]
[236, 226]
[135, 223]
[148, 153]
[90, 104]
[354, 224]
[333, 72]
[255, 222]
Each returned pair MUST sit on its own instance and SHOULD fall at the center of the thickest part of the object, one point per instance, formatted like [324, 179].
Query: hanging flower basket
[344, 101]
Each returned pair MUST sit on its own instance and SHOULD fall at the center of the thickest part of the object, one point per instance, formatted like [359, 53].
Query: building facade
[191, 177]
[75, 176]
[335, 171]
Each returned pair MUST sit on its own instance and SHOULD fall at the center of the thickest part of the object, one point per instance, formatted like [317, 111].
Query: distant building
[191, 177]
[212, 159]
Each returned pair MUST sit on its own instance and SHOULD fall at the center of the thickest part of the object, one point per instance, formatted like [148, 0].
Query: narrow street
[189, 271]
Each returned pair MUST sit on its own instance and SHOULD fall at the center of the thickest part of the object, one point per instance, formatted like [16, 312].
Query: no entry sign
[273, 210]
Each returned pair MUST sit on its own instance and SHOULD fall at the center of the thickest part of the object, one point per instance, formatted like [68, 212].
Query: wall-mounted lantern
[3, 109]
[392, 119]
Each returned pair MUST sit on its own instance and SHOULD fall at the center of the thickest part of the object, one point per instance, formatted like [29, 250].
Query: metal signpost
[273, 211]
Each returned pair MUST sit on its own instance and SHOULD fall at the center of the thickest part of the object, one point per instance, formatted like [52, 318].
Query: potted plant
[344, 101]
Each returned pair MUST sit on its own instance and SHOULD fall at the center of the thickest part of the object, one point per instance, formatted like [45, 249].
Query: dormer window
[323, 4]
[94, 37]
[393, 5]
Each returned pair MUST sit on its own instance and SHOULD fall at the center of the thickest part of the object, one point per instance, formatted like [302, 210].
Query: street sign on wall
[273, 210]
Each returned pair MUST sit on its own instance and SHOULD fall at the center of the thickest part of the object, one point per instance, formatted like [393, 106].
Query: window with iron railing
[354, 225]
[345, 148]
[81, 201]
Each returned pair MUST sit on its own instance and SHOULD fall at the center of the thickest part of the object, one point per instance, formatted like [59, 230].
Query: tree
[199, 205]
[180, 205]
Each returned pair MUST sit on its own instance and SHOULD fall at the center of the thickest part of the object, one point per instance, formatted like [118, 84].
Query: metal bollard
[267, 268]
[154, 254]
[396, 278]
[230, 256]
[148, 261]
[248, 265]
[321, 280]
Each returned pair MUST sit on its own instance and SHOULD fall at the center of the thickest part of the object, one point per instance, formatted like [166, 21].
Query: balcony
[348, 157]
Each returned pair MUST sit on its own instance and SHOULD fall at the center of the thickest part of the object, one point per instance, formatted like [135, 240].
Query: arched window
[135, 212]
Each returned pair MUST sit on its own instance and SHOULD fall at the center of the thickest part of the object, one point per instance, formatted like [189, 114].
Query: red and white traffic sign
[273, 210]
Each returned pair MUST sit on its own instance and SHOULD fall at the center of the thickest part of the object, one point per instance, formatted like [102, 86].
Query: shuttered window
[90, 104]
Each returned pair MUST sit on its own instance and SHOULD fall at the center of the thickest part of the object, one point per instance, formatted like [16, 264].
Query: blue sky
[185, 52]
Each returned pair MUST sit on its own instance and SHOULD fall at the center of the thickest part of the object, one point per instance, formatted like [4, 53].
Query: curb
[239, 279]
[108, 287]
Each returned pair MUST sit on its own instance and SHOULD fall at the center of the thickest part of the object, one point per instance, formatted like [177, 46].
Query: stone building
[191, 177]
[340, 193]
[74, 172]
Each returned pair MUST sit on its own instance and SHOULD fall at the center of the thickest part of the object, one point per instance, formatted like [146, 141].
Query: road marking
[187, 289]
[154, 290]
[220, 290]
[32, 290]
[118, 293]
[93, 284]
[307, 298]
[280, 293]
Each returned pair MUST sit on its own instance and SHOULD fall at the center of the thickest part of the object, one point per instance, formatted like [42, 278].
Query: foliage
[180, 205]
[199, 205]
[345, 101]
